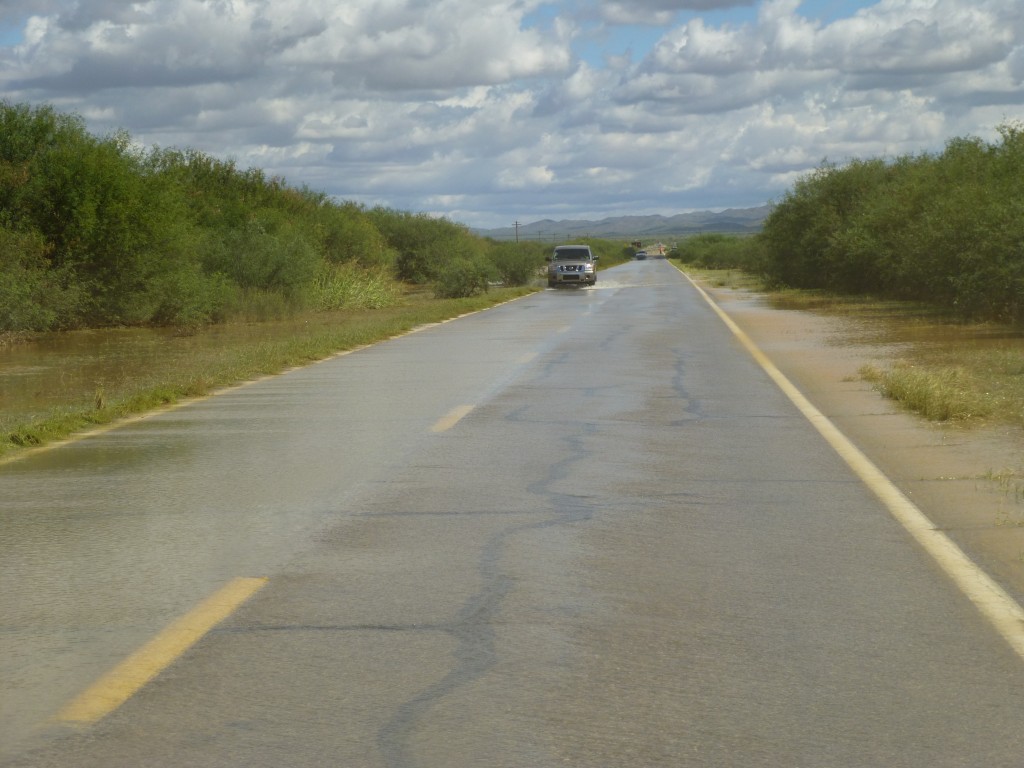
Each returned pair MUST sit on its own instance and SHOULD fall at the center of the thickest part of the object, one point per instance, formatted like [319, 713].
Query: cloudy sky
[495, 111]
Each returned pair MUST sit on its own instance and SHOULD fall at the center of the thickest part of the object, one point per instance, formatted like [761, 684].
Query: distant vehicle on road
[572, 265]
[641, 255]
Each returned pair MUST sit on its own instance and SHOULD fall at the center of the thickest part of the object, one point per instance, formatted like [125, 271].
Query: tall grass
[348, 286]
[938, 393]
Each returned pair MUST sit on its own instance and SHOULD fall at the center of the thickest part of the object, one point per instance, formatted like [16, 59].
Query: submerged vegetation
[939, 393]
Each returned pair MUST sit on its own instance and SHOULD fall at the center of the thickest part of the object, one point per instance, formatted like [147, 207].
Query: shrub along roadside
[719, 251]
[945, 229]
[97, 232]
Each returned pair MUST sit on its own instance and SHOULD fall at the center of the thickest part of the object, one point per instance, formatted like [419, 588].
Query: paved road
[583, 529]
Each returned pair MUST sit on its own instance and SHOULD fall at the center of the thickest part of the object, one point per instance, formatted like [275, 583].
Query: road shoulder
[957, 476]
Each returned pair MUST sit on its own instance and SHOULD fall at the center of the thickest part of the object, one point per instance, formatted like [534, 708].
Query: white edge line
[994, 603]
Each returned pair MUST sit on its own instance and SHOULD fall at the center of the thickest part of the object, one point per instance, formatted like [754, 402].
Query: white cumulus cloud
[494, 111]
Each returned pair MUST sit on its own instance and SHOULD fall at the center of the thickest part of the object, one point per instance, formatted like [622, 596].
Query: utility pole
[517, 232]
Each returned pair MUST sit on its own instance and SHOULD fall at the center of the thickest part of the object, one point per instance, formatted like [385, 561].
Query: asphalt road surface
[580, 529]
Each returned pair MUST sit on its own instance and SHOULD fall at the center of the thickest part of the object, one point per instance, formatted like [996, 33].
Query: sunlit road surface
[584, 528]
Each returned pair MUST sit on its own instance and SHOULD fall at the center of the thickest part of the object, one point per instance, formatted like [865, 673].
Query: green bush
[188, 298]
[718, 251]
[462, 277]
[517, 263]
[946, 229]
[800, 232]
[347, 234]
[349, 286]
[266, 254]
[33, 297]
[425, 245]
[95, 231]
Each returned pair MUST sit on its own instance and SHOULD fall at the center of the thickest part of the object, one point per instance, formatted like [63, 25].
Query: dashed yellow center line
[123, 681]
[1002, 611]
[453, 417]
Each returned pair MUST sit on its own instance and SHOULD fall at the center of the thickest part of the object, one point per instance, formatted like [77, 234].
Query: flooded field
[938, 367]
[77, 368]
[891, 322]
[121, 371]
[81, 370]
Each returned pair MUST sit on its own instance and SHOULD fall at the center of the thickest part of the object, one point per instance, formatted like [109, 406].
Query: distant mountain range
[731, 221]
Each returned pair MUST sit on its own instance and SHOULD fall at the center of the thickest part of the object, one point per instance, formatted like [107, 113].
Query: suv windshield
[576, 254]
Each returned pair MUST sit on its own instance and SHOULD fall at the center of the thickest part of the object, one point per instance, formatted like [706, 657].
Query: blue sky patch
[11, 34]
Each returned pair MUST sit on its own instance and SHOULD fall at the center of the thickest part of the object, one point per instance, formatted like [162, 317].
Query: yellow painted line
[994, 603]
[123, 681]
[452, 418]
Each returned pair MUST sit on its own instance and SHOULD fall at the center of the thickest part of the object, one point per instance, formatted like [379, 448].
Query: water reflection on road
[102, 555]
[104, 540]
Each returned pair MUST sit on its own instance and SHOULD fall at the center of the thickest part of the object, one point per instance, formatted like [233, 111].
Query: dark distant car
[572, 265]
[641, 255]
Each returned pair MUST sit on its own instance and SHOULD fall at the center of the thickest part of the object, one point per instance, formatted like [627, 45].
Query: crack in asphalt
[473, 625]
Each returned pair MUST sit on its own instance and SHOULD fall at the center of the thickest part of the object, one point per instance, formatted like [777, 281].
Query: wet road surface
[583, 528]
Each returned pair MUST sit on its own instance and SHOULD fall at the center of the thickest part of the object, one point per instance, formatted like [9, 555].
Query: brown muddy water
[72, 369]
[906, 326]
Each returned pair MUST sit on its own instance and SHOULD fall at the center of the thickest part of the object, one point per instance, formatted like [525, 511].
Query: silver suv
[572, 265]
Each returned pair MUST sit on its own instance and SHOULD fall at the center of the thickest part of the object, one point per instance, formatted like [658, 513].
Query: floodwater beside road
[74, 372]
[68, 369]
[888, 323]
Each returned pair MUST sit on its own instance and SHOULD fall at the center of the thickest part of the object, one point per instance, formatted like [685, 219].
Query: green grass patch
[937, 393]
